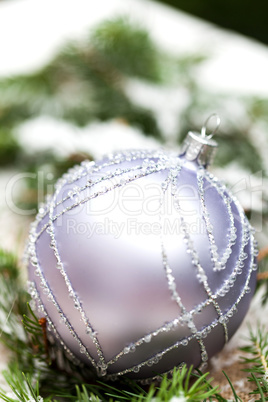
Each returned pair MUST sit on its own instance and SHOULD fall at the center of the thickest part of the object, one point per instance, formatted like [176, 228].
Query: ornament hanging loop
[204, 128]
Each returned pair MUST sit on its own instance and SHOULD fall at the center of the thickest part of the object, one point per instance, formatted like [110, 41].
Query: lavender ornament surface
[142, 261]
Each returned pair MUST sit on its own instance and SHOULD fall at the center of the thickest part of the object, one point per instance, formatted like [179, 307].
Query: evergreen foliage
[258, 361]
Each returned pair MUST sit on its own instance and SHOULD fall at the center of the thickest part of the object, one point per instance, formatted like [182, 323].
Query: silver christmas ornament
[142, 261]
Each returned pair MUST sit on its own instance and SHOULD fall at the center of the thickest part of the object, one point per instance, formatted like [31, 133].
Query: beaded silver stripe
[77, 303]
[168, 271]
[159, 378]
[40, 307]
[145, 170]
[186, 316]
[219, 263]
[247, 231]
[86, 167]
[51, 298]
[201, 275]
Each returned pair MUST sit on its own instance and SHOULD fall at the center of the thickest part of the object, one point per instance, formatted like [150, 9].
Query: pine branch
[237, 399]
[21, 387]
[258, 360]
[180, 385]
[118, 37]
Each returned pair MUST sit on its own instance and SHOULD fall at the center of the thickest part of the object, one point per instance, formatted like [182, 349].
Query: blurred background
[79, 79]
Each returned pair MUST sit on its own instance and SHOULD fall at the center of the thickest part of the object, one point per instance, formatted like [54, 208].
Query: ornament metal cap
[200, 146]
